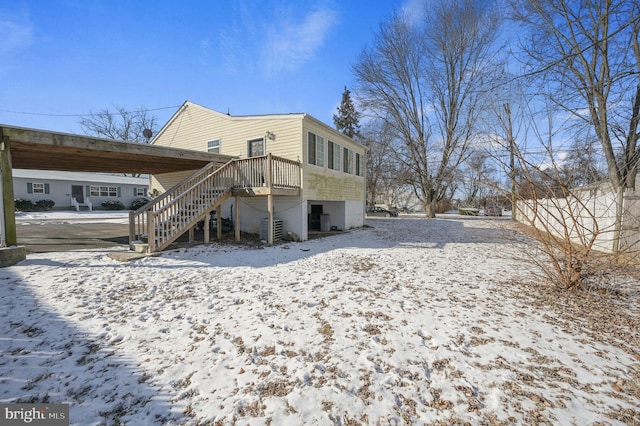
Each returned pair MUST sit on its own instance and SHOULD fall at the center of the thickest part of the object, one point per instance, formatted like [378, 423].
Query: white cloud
[292, 41]
[413, 11]
[14, 35]
[273, 39]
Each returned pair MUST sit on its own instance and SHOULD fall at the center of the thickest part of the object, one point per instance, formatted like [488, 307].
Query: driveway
[48, 236]
[42, 232]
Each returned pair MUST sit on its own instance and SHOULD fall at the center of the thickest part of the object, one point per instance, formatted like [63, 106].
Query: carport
[24, 148]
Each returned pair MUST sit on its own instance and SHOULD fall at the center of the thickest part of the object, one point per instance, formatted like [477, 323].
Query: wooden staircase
[160, 222]
[156, 225]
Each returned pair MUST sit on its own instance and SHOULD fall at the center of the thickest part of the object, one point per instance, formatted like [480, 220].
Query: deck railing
[269, 171]
[168, 216]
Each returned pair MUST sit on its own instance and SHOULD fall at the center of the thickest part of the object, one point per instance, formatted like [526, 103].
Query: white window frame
[213, 146]
[103, 191]
[139, 192]
[37, 188]
[333, 156]
[315, 149]
[347, 161]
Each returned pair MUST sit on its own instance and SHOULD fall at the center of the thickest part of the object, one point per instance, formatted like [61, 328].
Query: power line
[44, 114]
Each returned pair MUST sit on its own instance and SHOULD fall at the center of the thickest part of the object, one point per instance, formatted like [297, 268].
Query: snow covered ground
[408, 321]
[72, 216]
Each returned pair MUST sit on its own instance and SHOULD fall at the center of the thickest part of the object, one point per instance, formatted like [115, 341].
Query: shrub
[113, 205]
[23, 205]
[44, 205]
[139, 202]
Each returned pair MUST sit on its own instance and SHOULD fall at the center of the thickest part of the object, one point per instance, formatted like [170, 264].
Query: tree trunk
[430, 209]
[617, 226]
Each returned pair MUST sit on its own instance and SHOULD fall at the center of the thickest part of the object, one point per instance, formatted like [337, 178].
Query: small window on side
[213, 146]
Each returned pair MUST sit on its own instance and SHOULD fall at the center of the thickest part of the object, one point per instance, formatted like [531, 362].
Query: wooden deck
[180, 208]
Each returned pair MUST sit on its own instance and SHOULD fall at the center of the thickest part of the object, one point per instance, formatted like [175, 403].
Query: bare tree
[581, 165]
[560, 219]
[123, 125]
[478, 182]
[587, 55]
[424, 81]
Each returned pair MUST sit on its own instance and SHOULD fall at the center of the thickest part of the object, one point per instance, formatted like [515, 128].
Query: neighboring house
[61, 187]
[332, 166]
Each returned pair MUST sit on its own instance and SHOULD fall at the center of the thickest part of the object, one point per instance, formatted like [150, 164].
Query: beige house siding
[332, 185]
[339, 194]
[168, 180]
[190, 128]
[194, 126]
[323, 183]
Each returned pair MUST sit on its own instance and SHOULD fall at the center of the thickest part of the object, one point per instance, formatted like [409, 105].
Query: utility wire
[44, 114]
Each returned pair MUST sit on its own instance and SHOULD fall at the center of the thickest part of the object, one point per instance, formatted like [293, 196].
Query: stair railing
[168, 216]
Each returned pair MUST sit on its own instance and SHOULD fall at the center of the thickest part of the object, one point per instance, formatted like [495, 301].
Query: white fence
[587, 217]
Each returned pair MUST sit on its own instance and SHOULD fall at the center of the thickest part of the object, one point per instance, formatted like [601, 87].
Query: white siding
[60, 190]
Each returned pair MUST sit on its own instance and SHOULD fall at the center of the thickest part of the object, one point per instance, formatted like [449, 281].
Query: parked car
[493, 211]
[379, 211]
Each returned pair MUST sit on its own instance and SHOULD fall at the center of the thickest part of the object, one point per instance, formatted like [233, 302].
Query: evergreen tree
[347, 119]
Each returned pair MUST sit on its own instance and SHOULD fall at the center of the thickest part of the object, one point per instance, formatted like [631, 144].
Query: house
[314, 179]
[87, 188]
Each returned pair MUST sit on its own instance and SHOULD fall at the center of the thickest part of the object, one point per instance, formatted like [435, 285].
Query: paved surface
[47, 236]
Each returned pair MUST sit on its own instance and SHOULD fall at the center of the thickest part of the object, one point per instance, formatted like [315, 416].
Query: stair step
[139, 247]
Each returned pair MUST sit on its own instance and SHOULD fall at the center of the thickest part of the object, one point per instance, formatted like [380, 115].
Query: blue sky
[64, 58]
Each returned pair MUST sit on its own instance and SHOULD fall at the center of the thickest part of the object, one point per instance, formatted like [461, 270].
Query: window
[347, 161]
[333, 156]
[104, 191]
[139, 192]
[315, 147]
[37, 188]
[213, 146]
[359, 165]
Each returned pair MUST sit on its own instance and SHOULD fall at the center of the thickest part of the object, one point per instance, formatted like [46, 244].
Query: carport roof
[46, 150]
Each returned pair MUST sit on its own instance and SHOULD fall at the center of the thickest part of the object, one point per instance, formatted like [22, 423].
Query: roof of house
[79, 177]
[301, 116]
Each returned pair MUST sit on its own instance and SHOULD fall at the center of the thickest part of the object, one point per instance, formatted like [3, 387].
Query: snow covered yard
[408, 321]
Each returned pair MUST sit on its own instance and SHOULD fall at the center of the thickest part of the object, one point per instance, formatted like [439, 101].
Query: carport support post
[9, 212]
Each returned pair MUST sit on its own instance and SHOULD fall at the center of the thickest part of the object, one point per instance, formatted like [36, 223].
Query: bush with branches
[139, 202]
[24, 205]
[113, 205]
[44, 205]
